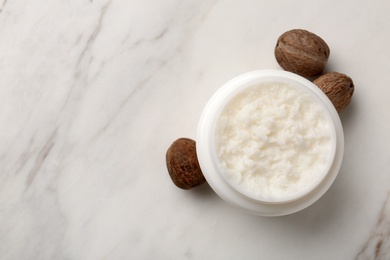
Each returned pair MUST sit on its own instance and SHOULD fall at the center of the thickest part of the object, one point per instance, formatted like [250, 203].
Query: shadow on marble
[203, 191]
[349, 115]
[316, 218]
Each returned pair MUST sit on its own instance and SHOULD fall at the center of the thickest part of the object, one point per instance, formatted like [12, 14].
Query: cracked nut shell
[338, 87]
[302, 52]
[182, 163]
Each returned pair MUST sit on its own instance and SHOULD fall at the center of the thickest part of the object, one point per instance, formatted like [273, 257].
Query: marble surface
[93, 92]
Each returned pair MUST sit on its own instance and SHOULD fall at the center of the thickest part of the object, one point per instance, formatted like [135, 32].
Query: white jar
[235, 194]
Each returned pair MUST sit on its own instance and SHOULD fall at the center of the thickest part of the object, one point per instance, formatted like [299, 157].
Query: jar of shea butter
[270, 142]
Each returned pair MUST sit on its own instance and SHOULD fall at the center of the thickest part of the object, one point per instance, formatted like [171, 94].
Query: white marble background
[92, 93]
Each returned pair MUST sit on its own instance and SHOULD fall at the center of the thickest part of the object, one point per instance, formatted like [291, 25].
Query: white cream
[273, 141]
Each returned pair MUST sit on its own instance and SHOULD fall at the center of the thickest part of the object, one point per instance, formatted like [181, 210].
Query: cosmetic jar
[270, 142]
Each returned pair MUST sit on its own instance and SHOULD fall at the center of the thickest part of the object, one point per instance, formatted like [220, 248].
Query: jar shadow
[204, 191]
[348, 116]
[313, 219]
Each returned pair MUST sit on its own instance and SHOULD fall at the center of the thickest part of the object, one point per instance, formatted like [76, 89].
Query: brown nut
[302, 52]
[182, 163]
[338, 87]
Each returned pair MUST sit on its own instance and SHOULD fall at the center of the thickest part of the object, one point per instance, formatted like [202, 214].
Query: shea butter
[273, 141]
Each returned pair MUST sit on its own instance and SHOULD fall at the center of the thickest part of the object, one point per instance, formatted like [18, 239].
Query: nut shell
[302, 52]
[182, 163]
[338, 87]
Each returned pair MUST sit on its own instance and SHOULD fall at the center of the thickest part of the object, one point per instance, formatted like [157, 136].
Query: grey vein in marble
[378, 245]
[3, 5]
[89, 43]
[45, 150]
[93, 36]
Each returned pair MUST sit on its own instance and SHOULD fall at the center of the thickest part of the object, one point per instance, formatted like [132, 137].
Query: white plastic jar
[252, 193]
